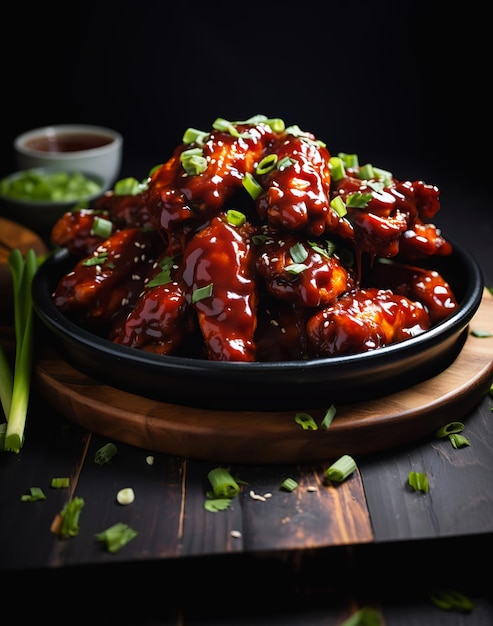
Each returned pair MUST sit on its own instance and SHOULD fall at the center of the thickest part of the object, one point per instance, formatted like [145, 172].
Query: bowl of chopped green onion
[38, 197]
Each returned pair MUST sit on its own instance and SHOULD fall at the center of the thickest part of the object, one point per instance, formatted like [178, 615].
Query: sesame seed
[235, 534]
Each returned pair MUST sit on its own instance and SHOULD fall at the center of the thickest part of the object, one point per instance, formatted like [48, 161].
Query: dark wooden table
[312, 556]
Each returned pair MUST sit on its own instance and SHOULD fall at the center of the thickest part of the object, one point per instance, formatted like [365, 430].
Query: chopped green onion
[69, 518]
[192, 135]
[459, 441]
[97, 259]
[358, 200]
[23, 270]
[125, 496]
[252, 186]
[266, 164]
[193, 161]
[366, 172]
[129, 187]
[235, 218]
[60, 483]
[217, 504]
[448, 429]
[481, 333]
[339, 206]
[364, 617]
[418, 481]
[202, 293]
[449, 599]
[54, 186]
[284, 163]
[306, 421]
[337, 171]
[223, 484]
[349, 160]
[105, 454]
[298, 252]
[116, 537]
[102, 227]
[296, 268]
[341, 469]
[289, 484]
[328, 417]
[36, 493]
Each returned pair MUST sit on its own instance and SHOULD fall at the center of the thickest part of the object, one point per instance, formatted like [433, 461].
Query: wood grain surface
[13, 235]
[274, 437]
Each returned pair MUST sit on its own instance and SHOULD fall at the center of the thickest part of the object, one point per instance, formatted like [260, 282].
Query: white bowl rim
[114, 135]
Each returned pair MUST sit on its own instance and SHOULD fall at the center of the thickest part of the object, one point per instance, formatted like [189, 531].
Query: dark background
[400, 83]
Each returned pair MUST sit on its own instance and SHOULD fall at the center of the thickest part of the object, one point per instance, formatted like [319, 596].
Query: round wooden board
[13, 235]
[251, 437]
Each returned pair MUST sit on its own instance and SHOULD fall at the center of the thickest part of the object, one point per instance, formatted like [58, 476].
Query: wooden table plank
[460, 500]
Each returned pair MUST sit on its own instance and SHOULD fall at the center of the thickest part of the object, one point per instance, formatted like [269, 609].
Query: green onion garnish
[102, 227]
[306, 421]
[202, 293]
[328, 417]
[36, 493]
[418, 481]
[339, 206]
[459, 441]
[266, 164]
[60, 483]
[193, 161]
[450, 428]
[449, 599]
[192, 135]
[105, 454]
[337, 171]
[116, 536]
[235, 218]
[223, 484]
[341, 469]
[252, 186]
[289, 484]
[69, 518]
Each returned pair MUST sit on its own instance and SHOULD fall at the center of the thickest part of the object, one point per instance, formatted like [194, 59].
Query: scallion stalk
[22, 270]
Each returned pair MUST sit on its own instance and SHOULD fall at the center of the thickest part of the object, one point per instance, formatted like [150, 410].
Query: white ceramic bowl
[73, 147]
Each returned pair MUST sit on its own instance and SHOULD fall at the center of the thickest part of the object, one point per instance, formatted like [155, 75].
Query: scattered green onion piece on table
[116, 537]
[223, 484]
[418, 481]
[449, 599]
[36, 493]
[105, 454]
[481, 333]
[289, 484]
[459, 441]
[22, 270]
[60, 483]
[213, 505]
[364, 617]
[341, 469]
[306, 421]
[328, 417]
[69, 518]
[449, 429]
[125, 496]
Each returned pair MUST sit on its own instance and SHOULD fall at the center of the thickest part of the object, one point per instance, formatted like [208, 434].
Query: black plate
[264, 385]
